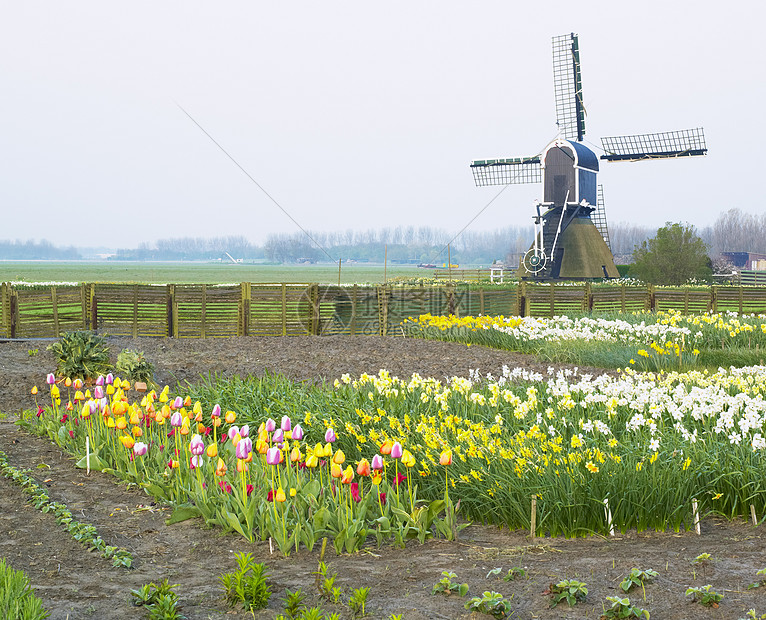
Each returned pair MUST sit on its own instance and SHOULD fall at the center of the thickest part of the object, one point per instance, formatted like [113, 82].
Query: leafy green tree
[672, 257]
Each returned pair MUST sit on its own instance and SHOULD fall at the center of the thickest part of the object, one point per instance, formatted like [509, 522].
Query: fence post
[93, 308]
[284, 309]
[14, 312]
[315, 330]
[353, 310]
[589, 297]
[652, 299]
[203, 324]
[84, 305]
[172, 314]
[622, 297]
[244, 309]
[552, 300]
[54, 303]
[522, 293]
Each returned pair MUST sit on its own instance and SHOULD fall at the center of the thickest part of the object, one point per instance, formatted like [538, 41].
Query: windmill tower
[571, 236]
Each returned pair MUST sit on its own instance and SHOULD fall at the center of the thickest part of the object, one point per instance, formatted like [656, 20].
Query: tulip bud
[68, 382]
[270, 425]
[339, 458]
[278, 436]
[329, 435]
[445, 458]
[216, 411]
[273, 456]
[100, 381]
[244, 431]
[386, 447]
[336, 471]
[286, 425]
[77, 384]
[34, 390]
[396, 451]
[140, 448]
[176, 419]
[377, 462]
[231, 417]
[50, 379]
[109, 379]
[98, 392]
[297, 432]
[363, 468]
[280, 495]
[212, 450]
[127, 441]
[233, 431]
[196, 445]
[348, 475]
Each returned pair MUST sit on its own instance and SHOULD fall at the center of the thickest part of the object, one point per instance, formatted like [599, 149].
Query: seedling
[294, 604]
[490, 603]
[705, 596]
[762, 582]
[752, 616]
[703, 559]
[569, 590]
[247, 585]
[515, 573]
[637, 577]
[150, 593]
[166, 608]
[446, 586]
[358, 601]
[621, 608]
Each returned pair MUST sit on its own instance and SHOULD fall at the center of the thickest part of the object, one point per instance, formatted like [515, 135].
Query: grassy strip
[82, 532]
[17, 598]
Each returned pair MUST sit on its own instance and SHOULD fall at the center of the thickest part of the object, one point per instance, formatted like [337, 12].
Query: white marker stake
[608, 514]
[752, 515]
[696, 517]
[533, 524]
[87, 454]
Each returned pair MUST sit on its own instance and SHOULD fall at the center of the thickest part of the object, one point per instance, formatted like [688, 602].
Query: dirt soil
[75, 583]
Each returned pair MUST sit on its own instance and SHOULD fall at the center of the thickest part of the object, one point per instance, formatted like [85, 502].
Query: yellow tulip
[339, 458]
[212, 450]
[127, 441]
[280, 495]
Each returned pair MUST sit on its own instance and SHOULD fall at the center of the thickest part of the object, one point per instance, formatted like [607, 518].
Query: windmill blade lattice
[514, 171]
[567, 87]
[684, 143]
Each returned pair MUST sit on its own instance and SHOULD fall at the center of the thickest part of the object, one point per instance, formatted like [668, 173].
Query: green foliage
[621, 608]
[357, 602]
[569, 590]
[751, 615]
[165, 608]
[294, 604]
[515, 573]
[132, 365]
[81, 354]
[761, 583]
[247, 585]
[674, 256]
[490, 603]
[637, 577]
[703, 559]
[17, 598]
[705, 596]
[446, 586]
[150, 593]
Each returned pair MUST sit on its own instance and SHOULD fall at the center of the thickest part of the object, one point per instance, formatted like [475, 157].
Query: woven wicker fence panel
[281, 310]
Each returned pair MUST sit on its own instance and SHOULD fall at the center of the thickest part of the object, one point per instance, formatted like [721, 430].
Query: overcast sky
[356, 114]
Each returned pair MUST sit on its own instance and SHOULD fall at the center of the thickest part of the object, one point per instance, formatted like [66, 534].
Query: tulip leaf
[155, 490]
[96, 463]
[233, 521]
[182, 513]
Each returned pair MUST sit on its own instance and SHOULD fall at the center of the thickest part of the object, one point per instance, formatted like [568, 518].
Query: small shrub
[569, 590]
[637, 577]
[490, 603]
[133, 366]
[247, 585]
[81, 355]
[357, 602]
[621, 608]
[294, 605]
[17, 598]
[705, 596]
[446, 586]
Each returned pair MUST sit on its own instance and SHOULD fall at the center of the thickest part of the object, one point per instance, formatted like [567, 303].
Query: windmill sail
[598, 217]
[567, 87]
[512, 171]
[684, 143]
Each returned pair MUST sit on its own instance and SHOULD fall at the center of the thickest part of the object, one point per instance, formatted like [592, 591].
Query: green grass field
[198, 272]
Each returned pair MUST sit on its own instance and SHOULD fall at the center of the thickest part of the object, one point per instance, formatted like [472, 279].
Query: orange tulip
[77, 383]
[34, 390]
[127, 441]
[445, 458]
[295, 455]
[68, 382]
[386, 447]
[241, 465]
[377, 477]
[231, 417]
[188, 401]
[137, 431]
[336, 471]
[363, 468]
[339, 458]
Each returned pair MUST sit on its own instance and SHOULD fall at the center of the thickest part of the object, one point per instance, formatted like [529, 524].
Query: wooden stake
[87, 454]
[533, 526]
[385, 264]
[608, 513]
[695, 510]
[340, 260]
[752, 515]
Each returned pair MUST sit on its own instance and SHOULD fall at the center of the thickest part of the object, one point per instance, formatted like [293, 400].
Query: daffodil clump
[644, 340]
[266, 483]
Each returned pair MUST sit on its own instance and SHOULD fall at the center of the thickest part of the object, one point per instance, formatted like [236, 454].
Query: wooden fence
[205, 310]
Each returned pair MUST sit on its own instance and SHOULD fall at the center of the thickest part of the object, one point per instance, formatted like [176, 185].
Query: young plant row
[82, 532]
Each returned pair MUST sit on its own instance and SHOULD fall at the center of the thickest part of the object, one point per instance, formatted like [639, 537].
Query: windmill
[571, 236]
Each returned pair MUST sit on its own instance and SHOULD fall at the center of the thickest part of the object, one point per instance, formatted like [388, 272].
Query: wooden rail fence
[249, 309]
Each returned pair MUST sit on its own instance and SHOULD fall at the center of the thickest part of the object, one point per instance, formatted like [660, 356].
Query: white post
[87, 454]
[608, 513]
[695, 510]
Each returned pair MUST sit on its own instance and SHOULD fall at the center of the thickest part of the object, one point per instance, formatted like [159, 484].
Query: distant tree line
[33, 250]
[192, 248]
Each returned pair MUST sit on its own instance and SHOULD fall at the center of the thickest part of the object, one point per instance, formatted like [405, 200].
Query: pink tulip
[196, 445]
[196, 461]
[100, 380]
[92, 407]
[244, 431]
[297, 432]
[176, 419]
[140, 448]
[273, 456]
[233, 432]
[109, 379]
[50, 379]
[270, 425]
[216, 411]
[329, 435]
[377, 462]
[178, 403]
[286, 425]
[396, 451]
[98, 392]
[243, 449]
[278, 436]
